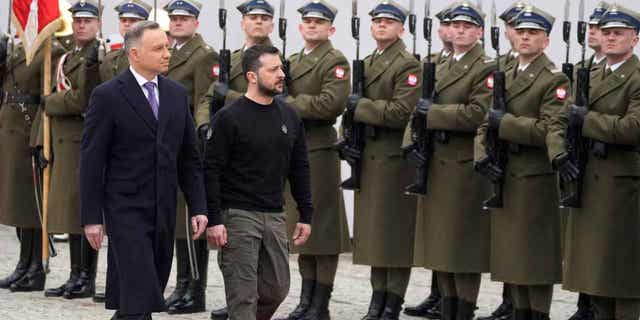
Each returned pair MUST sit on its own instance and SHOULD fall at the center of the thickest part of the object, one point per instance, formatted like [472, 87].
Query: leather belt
[11, 97]
[308, 123]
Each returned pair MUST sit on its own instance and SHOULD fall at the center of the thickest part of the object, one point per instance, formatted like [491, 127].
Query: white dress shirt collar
[615, 66]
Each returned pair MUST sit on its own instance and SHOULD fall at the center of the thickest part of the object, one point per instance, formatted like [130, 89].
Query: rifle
[567, 67]
[282, 31]
[495, 147]
[354, 132]
[577, 145]
[421, 148]
[412, 27]
[102, 46]
[155, 10]
[225, 62]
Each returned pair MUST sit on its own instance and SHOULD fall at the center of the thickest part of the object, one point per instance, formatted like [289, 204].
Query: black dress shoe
[75, 252]
[183, 277]
[220, 314]
[31, 281]
[428, 308]
[18, 272]
[583, 314]
[99, 297]
[191, 302]
[503, 312]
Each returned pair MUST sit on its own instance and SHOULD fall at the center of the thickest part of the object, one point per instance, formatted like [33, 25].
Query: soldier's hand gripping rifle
[572, 164]
[282, 32]
[351, 146]
[495, 148]
[412, 27]
[420, 150]
[567, 66]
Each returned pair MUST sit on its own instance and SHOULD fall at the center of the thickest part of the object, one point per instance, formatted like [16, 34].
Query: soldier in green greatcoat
[116, 61]
[535, 91]
[20, 90]
[430, 306]
[318, 92]
[452, 220]
[191, 64]
[384, 216]
[601, 256]
[257, 25]
[508, 60]
[75, 78]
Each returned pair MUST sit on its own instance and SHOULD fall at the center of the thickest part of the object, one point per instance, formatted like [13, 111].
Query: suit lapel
[525, 79]
[382, 63]
[306, 64]
[613, 81]
[136, 98]
[459, 69]
[166, 105]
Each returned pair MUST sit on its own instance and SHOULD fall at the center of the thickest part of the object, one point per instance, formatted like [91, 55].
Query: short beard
[270, 92]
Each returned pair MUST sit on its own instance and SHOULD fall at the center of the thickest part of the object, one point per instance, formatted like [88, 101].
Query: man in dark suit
[138, 145]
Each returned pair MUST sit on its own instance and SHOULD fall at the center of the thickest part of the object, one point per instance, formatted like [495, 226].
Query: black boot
[585, 309]
[194, 299]
[75, 253]
[392, 307]
[35, 277]
[429, 307]
[319, 309]
[449, 308]
[183, 276]
[521, 314]
[376, 306]
[466, 310]
[220, 314]
[537, 315]
[23, 262]
[306, 296]
[85, 286]
[503, 312]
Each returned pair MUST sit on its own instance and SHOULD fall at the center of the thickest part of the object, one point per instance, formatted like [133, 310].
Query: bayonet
[412, 26]
[567, 67]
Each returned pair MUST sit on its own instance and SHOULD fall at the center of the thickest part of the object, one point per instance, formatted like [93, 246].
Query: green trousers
[394, 280]
[321, 268]
[255, 263]
[535, 297]
[615, 308]
[465, 286]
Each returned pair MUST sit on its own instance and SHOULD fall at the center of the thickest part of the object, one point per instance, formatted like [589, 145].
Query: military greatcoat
[66, 109]
[530, 213]
[602, 242]
[453, 233]
[17, 195]
[384, 219]
[318, 92]
[192, 66]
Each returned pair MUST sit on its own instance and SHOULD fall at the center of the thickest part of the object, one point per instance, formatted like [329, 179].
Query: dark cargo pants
[255, 263]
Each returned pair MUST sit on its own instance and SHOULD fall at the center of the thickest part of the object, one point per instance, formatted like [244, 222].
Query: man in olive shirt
[256, 144]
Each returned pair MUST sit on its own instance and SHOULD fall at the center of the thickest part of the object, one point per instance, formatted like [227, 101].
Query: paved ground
[350, 299]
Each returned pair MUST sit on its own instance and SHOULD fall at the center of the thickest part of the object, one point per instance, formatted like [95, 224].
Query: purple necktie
[153, 101]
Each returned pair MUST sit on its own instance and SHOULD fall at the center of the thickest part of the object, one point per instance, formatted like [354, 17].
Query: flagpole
[46, 90]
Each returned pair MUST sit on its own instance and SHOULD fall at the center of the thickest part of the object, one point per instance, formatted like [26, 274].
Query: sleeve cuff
[305, 215]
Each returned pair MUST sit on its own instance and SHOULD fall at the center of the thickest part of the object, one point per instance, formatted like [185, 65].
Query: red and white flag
[36, 20]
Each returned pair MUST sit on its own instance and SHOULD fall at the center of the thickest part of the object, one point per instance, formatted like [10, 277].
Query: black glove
[204, 132]
[423, 106]
[352, 102]
[220, 90]
[4, 46]
[495, 117]
[91, 56]
[38, 155]
[349, 154]
[576, 115]
[486, 168]
[567, 170]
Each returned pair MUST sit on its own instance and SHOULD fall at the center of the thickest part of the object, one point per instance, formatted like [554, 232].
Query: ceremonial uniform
[384, 216]
[191, 64]
[318, 92]
[21, 88]
[451, 224]
[602, 234]
[535, 92]
[75, 78]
